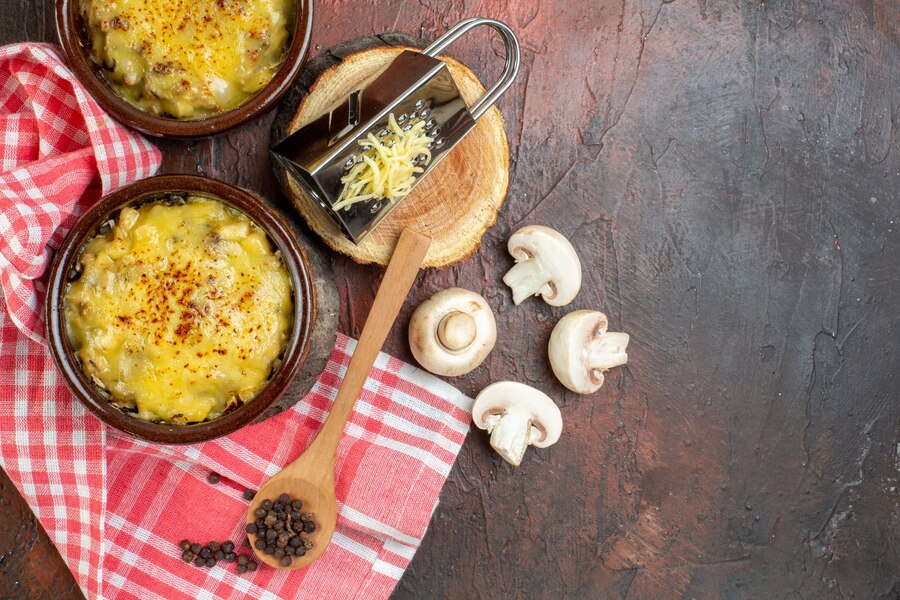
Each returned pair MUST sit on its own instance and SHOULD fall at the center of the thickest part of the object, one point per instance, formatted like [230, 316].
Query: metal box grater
[415, 87]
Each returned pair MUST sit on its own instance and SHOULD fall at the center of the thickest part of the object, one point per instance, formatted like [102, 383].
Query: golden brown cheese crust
[181, 311]
[188, 59]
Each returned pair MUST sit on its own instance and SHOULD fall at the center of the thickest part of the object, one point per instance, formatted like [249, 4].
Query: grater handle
[512, 58]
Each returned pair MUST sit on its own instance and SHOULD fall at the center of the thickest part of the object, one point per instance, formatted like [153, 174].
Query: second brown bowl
[147, 190]
[72, 37]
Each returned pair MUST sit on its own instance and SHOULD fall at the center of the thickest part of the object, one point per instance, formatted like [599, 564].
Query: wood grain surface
[455, 216]
[729, 172]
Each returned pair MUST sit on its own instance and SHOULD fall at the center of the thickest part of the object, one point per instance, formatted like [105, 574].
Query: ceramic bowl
[147, 190]
[73, 38]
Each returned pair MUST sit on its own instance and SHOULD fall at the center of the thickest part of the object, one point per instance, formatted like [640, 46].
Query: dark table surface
[729, 172]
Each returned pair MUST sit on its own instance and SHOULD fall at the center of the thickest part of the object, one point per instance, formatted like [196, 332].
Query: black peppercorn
[199, 561]
[286, 561]
[260, 544]
[284, 498]
[309, 526]
[251, 566]
[301, 551]
[230, 557]
[278, 526]
[270, 549]
[210, 562]
[279, 553]
[249, 494]
[187, 556]
[296, 505]
[213, 477]
[185, 545]
[242, 559]
[205, 552]
[259, 512]
[295, 515]
[246, 542]
[271, 534]
[295, 541]
[213, 546]
[219, 555]
[242, 568]
[250, 528]
[266, 504]
[195, 548]
[228, 546]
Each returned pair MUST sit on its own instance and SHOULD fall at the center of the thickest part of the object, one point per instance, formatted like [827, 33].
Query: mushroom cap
[557, 255]
[570, 350]
[497, 399]
[452, 332]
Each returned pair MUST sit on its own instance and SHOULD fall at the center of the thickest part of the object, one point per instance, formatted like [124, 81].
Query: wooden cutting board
[455, 203]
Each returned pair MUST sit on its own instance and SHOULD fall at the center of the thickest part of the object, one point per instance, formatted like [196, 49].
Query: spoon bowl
[317, 497]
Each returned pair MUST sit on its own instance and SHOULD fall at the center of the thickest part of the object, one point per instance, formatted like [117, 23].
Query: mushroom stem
[457, 331]
[511, 436]
[528, 278]
[608, 350]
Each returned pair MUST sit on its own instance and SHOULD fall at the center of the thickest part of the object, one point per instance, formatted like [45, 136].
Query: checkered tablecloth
[116, 507]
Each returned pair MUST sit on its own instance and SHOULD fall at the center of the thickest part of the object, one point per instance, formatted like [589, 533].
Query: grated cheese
[388, 170]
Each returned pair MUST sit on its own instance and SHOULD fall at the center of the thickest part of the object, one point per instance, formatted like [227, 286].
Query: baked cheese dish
[181, 309]
[188, 59]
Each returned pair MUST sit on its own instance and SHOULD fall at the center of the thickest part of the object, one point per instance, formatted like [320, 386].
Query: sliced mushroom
[581, 350]
[516, 416]
[546, 266]
[452, 332]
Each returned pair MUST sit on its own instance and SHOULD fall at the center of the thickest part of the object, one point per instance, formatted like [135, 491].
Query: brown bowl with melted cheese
[179, 308]
[185, 68]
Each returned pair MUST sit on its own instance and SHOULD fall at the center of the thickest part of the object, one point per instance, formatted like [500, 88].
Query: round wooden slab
[455, 203]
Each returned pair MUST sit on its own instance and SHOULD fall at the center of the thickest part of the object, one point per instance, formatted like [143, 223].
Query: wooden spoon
[310, 478]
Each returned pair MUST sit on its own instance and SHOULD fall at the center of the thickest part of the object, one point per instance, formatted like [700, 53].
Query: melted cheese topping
[181, 311]
[188, 59]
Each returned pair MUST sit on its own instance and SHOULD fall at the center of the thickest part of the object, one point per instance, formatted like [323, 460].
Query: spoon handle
[399, 277]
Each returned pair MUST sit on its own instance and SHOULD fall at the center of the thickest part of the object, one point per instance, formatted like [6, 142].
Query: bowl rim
[69, 31]
[295, 352]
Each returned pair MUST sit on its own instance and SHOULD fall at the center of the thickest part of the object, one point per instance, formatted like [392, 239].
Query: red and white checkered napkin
[117, 507]
[59, 152]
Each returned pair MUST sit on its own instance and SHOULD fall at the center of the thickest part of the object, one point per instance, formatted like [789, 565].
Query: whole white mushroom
[517, 415]
[452, 332]
[581, 349]
[546, 266]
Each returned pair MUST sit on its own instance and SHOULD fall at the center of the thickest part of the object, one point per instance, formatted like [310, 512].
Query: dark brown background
[730, 174]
